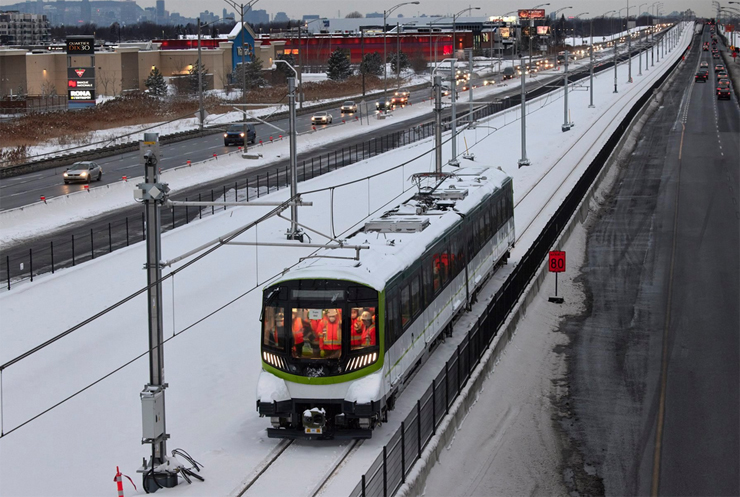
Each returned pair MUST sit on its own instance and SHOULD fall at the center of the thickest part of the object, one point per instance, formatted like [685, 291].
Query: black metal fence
[389, 470]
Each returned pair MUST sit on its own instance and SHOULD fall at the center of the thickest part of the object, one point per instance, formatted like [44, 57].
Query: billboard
[504, 32]
[80, 45]
[543, 30]
[532, 14]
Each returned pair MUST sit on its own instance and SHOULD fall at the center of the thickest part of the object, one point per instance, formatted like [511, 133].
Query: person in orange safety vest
[368, 328]
[356, 329]
[297, 332]
[330, 339]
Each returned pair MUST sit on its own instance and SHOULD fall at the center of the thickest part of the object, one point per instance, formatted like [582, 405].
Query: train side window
[489, 231]
[390, 306]
[453, 264]
[437, 276]
[274, 327]
[444, 266]
[427, 272]
[415, 295]
[405, 306]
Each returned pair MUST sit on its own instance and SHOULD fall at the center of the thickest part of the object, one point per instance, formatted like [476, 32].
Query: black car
[723, 93]
[701, 76]
[235, 134]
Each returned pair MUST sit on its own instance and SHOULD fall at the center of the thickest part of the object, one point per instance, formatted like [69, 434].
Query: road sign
[556, 263]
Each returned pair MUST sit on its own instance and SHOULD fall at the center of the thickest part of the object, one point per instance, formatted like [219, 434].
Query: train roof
[402, 234]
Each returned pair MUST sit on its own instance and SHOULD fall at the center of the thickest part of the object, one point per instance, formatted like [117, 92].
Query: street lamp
[201, 116]
[531, 25]
[243, 9]
[386, 13]
[454, 17]
[300, 58]
[574, 27]
[640, 36]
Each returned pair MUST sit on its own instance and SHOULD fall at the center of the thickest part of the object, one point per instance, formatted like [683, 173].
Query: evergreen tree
[156, 83]
[372, 63]
[193, 78]
[338, 67]
[253, 73]
[404, 62]
[285, 70]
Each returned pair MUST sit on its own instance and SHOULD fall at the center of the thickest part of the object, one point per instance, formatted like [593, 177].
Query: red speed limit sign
[556, 263]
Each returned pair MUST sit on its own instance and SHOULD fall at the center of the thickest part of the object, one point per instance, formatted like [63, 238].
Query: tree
[372, 63]
[156, 84]
[354, 15]
[404, 62]
[283, 69]
[193, 78]
[253, 73]
[338, 67]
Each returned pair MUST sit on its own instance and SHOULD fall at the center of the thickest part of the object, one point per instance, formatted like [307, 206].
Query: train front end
[322, 365]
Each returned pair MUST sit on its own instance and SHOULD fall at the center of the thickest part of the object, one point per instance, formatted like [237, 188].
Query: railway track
[304, 459]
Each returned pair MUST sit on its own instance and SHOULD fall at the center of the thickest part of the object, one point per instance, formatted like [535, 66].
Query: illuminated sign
[81, 83]
[504, 32]
[532, 14]
[80, 45]
[543, 30]
[80, 73]
[74, 95]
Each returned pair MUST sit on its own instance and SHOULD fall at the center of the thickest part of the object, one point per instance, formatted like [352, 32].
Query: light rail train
[340, 337]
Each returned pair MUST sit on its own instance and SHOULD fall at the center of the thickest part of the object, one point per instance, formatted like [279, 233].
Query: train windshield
[312, 321]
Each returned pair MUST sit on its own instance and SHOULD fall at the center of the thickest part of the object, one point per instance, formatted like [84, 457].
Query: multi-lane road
[654, 362]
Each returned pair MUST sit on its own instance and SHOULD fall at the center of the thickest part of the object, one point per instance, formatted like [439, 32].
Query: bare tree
[354, 15]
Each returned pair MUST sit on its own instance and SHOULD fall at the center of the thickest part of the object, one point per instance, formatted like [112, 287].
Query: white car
[322, 117]
[85, 171]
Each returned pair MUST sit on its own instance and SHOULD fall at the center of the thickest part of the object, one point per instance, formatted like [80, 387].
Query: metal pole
[629, 44]
[566, 124]
[300, 69]
[470, 86]
[200, 84]
[438, 124]
[591, 69]
[453, 96]
[398, 56]
[294, 233]
[524, 161]
[616, 45]
[385, 66]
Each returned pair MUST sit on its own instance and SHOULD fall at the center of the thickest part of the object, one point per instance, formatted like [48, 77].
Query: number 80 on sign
[556, 262]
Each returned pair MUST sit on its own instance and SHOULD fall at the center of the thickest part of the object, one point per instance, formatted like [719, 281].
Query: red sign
[729, 28]
[556, 263]
[532, 14]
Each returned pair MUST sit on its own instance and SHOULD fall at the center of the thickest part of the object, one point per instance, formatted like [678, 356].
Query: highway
[653, 362]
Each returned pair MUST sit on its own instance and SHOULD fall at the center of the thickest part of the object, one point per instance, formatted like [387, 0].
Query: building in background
[281, 17]
[17, 28]
[254, 17]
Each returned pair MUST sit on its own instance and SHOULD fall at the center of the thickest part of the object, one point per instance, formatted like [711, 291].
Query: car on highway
[701, 75]
[400, 98]
[715, 55]
[508, 72]
[322, 117]
[84, 171]
[348, 107]
[383, 105]
[704, 65]
[705, 47]
[235, 134]
[723, 90]
[722, 75]
[719, 67]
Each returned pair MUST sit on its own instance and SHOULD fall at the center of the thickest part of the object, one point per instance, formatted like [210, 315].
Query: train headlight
[362, 361]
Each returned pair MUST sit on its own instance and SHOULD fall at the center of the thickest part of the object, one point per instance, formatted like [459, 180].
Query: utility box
[152, 413]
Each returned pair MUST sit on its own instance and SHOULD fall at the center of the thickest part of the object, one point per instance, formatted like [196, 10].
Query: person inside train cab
[368, 328]
[297, 328]
[356, 328]
[330, 339]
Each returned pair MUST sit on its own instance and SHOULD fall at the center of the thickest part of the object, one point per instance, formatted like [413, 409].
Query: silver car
[321, 118]
[85, 172]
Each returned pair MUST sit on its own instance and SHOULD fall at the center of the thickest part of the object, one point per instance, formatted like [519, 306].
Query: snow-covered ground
[211, 318]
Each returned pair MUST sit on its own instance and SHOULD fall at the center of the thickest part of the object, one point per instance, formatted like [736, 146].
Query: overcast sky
[334, 8]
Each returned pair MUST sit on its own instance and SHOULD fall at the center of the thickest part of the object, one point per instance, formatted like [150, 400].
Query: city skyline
[328, 8]
[333, 9]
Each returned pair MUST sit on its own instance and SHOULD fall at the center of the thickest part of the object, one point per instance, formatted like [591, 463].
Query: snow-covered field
[211, 315]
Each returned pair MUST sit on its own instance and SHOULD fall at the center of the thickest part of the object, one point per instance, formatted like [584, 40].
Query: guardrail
[389, 470]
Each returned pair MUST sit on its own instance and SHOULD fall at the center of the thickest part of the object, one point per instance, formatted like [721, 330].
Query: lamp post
[640, 36]
[629, 45]
[386, 13]
[531, 25]
[201, 112]
[300, 59]
[555, 14]
[454, 17]
[294, 233]
[243, 9]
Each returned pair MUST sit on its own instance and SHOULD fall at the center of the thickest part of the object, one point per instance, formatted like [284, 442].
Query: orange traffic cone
[119, 482]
